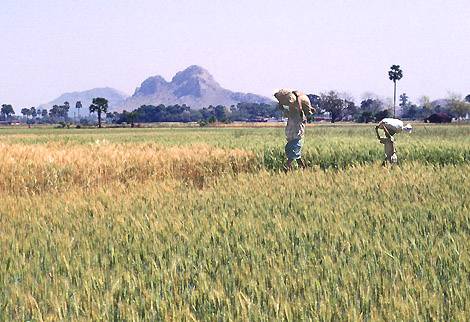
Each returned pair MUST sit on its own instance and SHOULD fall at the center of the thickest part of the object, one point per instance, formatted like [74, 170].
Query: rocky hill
[114, 97]
[193, 86]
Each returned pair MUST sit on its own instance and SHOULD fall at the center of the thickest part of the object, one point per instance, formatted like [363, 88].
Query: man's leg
[301, 163]
[288, 165]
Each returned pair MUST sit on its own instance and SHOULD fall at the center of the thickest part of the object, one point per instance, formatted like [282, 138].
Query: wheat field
[200, 224]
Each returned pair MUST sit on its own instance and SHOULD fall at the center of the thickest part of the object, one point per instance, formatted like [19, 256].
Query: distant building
[326, 116]
[15, 123]
[438, 118]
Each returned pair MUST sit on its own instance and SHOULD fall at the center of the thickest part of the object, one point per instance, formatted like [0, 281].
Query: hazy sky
[48, 47]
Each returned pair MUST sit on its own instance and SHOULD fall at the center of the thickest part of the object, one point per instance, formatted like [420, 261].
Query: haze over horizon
[50, 47]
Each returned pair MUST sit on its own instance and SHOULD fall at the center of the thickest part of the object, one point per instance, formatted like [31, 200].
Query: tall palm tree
[78, 106]
[26, 112]
[65, 110]
[99, 105]
[33, 112]
[395, 74]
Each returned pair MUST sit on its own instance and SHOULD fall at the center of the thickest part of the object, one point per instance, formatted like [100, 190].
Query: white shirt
[295, 128]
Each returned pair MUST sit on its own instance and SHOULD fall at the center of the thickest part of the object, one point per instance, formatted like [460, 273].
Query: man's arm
[301, 111]
[387, 134]
[283, 109]
[377, 132]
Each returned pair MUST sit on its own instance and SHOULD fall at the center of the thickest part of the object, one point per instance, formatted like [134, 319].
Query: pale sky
[48, 47]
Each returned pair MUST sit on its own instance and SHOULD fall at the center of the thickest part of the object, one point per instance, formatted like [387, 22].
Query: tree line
[331, 105]
[56, 114]
[184, 113]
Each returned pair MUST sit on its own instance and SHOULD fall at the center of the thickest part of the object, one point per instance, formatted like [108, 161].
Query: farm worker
[394, 126]
[296, 106]
[389, 145]
[391, 126]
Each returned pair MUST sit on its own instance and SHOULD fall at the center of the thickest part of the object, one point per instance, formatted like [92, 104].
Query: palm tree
[7, 111]
[33, 112]
[78, 106]
[395, 74]
[131, 117]
[26, 112]
[65, 110]
[99, 105]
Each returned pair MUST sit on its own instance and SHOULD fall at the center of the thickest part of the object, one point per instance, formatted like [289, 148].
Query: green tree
[220, 113]
[44, 113]
[26, 112]
[55, 112]
[351, 108]
[411, 111]
[369, 109]
[65, 110]
[365, 117]
[381, 115]
[99, 105]
[131, 117]
[457, 106]
[33, 112]
[395, 74]
[78, 106]
[7, 111]
[59, 112]
[332, 103]
[404, 101]
[212, 119]
[408, 109]
[372, 105]
[467, 98]
[426, 106]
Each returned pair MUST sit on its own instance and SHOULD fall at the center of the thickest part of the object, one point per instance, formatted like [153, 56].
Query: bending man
[391, 126]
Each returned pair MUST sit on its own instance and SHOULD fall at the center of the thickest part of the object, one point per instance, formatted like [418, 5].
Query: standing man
[298, 106]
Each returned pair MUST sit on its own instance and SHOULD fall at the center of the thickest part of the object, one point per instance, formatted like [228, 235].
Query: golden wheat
[104, 226]
[57, 167]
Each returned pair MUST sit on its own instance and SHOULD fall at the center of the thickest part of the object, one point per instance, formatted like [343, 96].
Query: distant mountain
[193, 86]
[114, 97]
